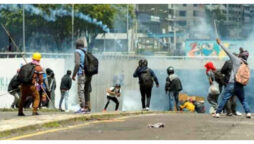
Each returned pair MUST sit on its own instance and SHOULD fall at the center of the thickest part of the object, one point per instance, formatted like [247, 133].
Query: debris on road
[156, 125]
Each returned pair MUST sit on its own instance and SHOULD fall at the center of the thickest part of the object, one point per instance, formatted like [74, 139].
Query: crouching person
[213, 91]
[30, 75]
[112, 94]
[173, 87]
[188, 106]
[14, 89]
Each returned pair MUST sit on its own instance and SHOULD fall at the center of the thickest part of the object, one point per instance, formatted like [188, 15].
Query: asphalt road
[178, 126]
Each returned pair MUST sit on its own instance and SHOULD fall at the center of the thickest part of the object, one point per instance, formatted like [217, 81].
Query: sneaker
[85, 111]
[35, 113]
[80, 111]
[229, 114]
[238, 113]
[147, 108]
[66, 110]
[104, 110]
[248, 115]
[216, 115]
[61, 110]
[21, 114]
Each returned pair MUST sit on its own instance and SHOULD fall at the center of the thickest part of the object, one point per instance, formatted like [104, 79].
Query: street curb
[78, 118]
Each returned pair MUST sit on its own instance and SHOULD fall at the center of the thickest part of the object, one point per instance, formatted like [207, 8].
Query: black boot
[21, 114]
[35, 113]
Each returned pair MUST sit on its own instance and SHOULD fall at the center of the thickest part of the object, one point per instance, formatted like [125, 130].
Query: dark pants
[213, 100]
[114, 99]
[145, 95]
[231, 105]
[230, 90]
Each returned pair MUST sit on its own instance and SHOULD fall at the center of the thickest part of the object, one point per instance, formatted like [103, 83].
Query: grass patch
[51, 125]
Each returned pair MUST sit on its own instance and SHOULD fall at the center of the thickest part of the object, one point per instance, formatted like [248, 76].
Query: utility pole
[24, 36]
[72, 27]
[174, 22]
[127, 27]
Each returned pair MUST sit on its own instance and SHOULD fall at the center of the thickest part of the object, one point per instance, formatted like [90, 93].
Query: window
[184, 5]
[195, 5]
[182, 23]
[182, 13]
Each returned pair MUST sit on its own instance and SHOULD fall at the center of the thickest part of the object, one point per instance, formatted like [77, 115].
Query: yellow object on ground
[189, 106]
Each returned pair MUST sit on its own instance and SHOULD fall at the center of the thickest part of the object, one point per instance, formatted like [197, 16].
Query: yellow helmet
[36, 56]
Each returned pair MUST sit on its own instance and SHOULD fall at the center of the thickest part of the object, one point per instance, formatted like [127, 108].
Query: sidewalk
[10, 123]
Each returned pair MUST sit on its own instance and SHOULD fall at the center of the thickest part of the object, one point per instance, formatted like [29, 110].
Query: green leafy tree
[59, 31]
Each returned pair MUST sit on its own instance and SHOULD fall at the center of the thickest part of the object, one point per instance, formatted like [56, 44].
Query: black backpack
[146, 78]
[219, 77]
[25, 75]
[91, 64]
[14, 84]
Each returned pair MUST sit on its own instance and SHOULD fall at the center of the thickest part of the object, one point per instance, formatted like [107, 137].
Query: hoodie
[173, 83]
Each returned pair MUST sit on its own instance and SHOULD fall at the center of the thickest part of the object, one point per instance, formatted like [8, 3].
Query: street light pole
[174, 22]
[72, 27]
[127, 27]
[24, 38]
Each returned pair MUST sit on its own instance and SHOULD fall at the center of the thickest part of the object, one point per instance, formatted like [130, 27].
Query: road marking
[66, 128]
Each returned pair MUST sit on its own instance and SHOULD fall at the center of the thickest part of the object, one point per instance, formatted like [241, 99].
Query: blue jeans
[230, 90]
[64, 95]
[173, 95]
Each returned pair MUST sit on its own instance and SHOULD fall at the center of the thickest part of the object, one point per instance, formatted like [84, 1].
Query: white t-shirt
[113, 89]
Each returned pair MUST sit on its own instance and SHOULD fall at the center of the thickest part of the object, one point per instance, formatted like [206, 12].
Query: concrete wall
[191, 72]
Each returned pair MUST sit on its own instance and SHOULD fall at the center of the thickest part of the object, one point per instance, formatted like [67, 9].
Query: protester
[30, 75]
[51, 88]
[112, 94]
[172, 87]
[243, 53]
[64, 88]
[84, 80]
[43, 89]
[188, 106]
[231, 103]
[14, 90]
[146, 78]
[213, 92]
[233, 87]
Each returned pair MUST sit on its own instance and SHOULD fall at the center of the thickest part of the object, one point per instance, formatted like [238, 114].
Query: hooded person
[244, 54]
[146, 78]
[14, 89]
[172, 87]
[234, 87]
[64, 88]
[51, 87]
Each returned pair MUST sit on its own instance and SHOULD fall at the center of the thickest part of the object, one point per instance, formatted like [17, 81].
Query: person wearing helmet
[146, 78]
[84, 81]
[29, 88]
[172, 88]
[112, 94]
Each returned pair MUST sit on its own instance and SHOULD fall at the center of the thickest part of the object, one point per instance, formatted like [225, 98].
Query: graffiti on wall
[210, 48]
